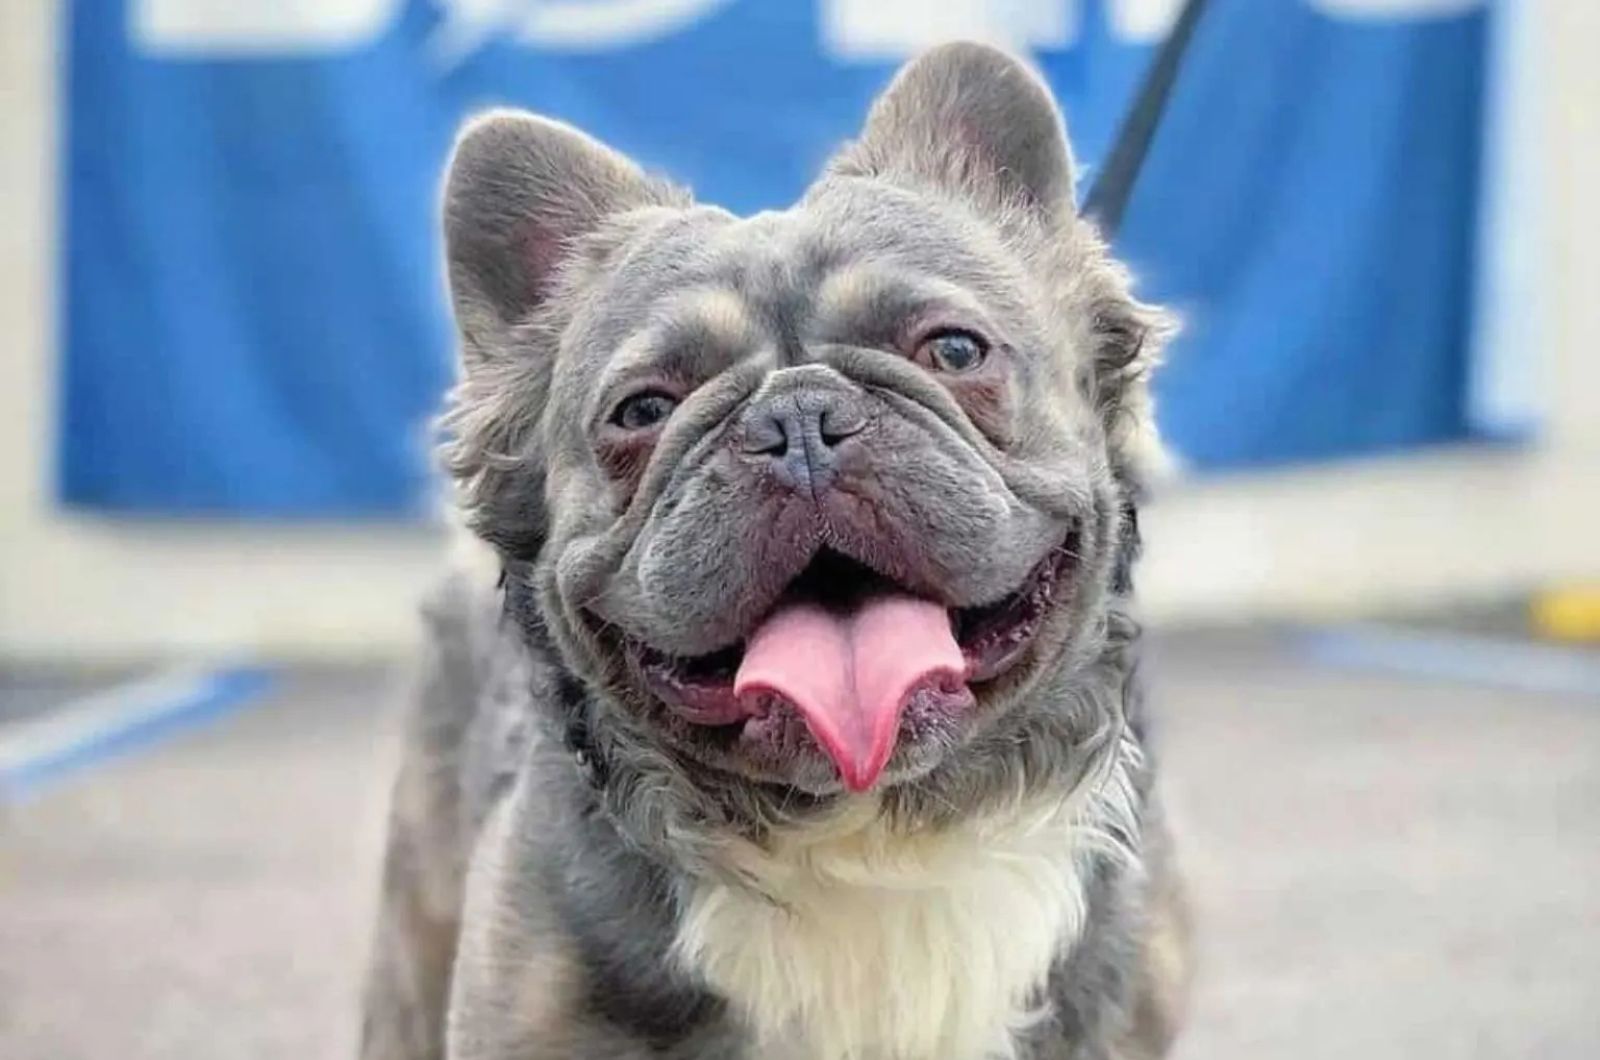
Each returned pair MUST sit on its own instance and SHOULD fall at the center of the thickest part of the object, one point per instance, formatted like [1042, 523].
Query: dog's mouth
[856, 659]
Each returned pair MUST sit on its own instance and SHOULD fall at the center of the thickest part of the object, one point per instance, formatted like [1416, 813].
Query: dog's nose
[802, 432]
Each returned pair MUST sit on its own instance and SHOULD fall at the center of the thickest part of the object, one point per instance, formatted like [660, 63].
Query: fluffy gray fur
[531, 893]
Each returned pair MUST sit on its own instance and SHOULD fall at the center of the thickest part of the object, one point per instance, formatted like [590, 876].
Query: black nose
[802, 432]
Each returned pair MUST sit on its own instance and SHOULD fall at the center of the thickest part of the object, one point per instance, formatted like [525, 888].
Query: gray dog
[796, 716]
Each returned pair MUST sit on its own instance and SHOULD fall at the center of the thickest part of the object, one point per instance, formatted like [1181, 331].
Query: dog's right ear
[524, 202]
[521, 194]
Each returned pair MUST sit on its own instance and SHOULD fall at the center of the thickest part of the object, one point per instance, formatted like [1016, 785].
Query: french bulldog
[794, 711]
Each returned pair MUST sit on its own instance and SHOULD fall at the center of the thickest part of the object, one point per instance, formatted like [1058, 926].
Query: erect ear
[522, 191]
[525, 203]
[971, 120]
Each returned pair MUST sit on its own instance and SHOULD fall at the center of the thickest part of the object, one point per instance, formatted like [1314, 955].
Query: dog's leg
[564, 947]
[408, 983]
[518, 990]
[1165, 959]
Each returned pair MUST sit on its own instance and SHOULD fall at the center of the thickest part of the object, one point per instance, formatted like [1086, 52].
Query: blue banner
[254, 311]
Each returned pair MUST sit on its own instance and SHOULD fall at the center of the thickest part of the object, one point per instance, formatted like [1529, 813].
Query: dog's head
[829, 498]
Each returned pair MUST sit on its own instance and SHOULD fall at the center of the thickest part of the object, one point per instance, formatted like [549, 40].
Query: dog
[792, 711]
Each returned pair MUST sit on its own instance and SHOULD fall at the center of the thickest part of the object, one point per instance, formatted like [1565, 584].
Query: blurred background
[1371, 577]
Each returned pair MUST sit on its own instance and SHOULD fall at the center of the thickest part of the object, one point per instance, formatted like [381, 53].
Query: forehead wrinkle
[773, 290]
[775, 261]
[848, 291]
[686, 336]
[860, 291]
[888, 225]
[719, 316]
[669, 256]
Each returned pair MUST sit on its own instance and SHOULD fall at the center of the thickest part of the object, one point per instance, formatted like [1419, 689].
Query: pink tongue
[850, 675]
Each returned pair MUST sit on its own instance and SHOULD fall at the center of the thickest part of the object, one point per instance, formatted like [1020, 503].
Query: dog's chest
[872, 946]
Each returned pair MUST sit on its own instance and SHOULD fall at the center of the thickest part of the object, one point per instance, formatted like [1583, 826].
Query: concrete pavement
[1383, 869]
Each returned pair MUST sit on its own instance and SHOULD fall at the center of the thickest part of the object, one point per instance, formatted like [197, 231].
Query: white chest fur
[857, 943]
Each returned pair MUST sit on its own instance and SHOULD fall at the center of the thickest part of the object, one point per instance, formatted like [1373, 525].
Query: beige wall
[1334, 539]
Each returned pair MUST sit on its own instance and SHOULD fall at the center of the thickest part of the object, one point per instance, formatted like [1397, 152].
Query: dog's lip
[993, 638]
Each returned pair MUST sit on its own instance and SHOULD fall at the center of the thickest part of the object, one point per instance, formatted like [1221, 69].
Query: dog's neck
[849, 937]
[522, 610]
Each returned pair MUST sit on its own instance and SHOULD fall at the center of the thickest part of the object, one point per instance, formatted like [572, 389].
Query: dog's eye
[952, 351]
[643, 411]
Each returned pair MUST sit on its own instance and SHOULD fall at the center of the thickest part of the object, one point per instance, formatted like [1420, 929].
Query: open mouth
[854, 655]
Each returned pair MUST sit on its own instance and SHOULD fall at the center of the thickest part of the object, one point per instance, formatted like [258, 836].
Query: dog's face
[814, 497]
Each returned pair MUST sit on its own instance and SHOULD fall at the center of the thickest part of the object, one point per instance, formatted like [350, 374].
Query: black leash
[1113, 185]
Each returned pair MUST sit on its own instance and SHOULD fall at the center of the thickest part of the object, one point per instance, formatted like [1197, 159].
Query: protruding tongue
[850, 673]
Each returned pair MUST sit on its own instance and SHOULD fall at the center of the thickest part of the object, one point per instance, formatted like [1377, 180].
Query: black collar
[572, 699]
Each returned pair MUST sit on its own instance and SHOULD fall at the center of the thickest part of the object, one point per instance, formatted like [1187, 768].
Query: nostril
[804, 426]
[765, 435]
[837, 423]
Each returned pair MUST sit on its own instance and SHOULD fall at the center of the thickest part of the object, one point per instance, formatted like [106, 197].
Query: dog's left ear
[971, 121]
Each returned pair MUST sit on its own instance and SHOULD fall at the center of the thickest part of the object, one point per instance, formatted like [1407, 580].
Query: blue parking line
[1524, 666]
[104, 725]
